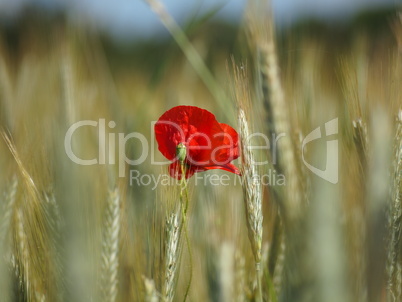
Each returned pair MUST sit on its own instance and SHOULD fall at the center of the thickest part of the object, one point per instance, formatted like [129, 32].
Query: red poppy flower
[207, 144]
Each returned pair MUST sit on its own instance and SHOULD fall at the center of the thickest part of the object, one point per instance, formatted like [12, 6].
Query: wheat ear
[252, 195]
[286, 158]
[31, 224]
[262, 42]
[174, 224]
[249, 173]
[110, 246]
[252, 190]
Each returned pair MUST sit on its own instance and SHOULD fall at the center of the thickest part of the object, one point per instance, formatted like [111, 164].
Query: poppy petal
[175, 170]
[229, 149]
[209, 144]
[190, 125]
[228, 167]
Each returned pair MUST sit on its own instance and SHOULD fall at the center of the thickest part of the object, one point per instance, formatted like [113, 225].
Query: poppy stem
[184, 206]
[183, 184]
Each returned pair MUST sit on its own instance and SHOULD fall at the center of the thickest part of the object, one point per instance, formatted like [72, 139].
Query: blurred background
[81, 233]
[128, 20]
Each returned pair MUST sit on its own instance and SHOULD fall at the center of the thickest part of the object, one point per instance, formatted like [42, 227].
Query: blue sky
[134, 18]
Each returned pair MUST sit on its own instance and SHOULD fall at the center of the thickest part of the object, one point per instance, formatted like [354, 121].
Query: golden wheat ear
[30, 224]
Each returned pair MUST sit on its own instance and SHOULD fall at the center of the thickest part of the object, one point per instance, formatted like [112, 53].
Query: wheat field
[116, 231]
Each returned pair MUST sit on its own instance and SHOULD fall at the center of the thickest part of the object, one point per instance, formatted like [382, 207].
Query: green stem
[270, 285]
[259, 286]
[192, 55]
[183, 184]
[184, 206]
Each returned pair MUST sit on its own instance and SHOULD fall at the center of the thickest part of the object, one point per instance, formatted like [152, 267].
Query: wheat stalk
[6, 92]
[226, 263]
[378, 199]
[110, 246]
[151, 295]
[279, 266]
[358, 224]
[68, 88]
[361, 141]
[354, 89]
[240, 277]
[8, 209]
[394, 258]
[191, 54]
